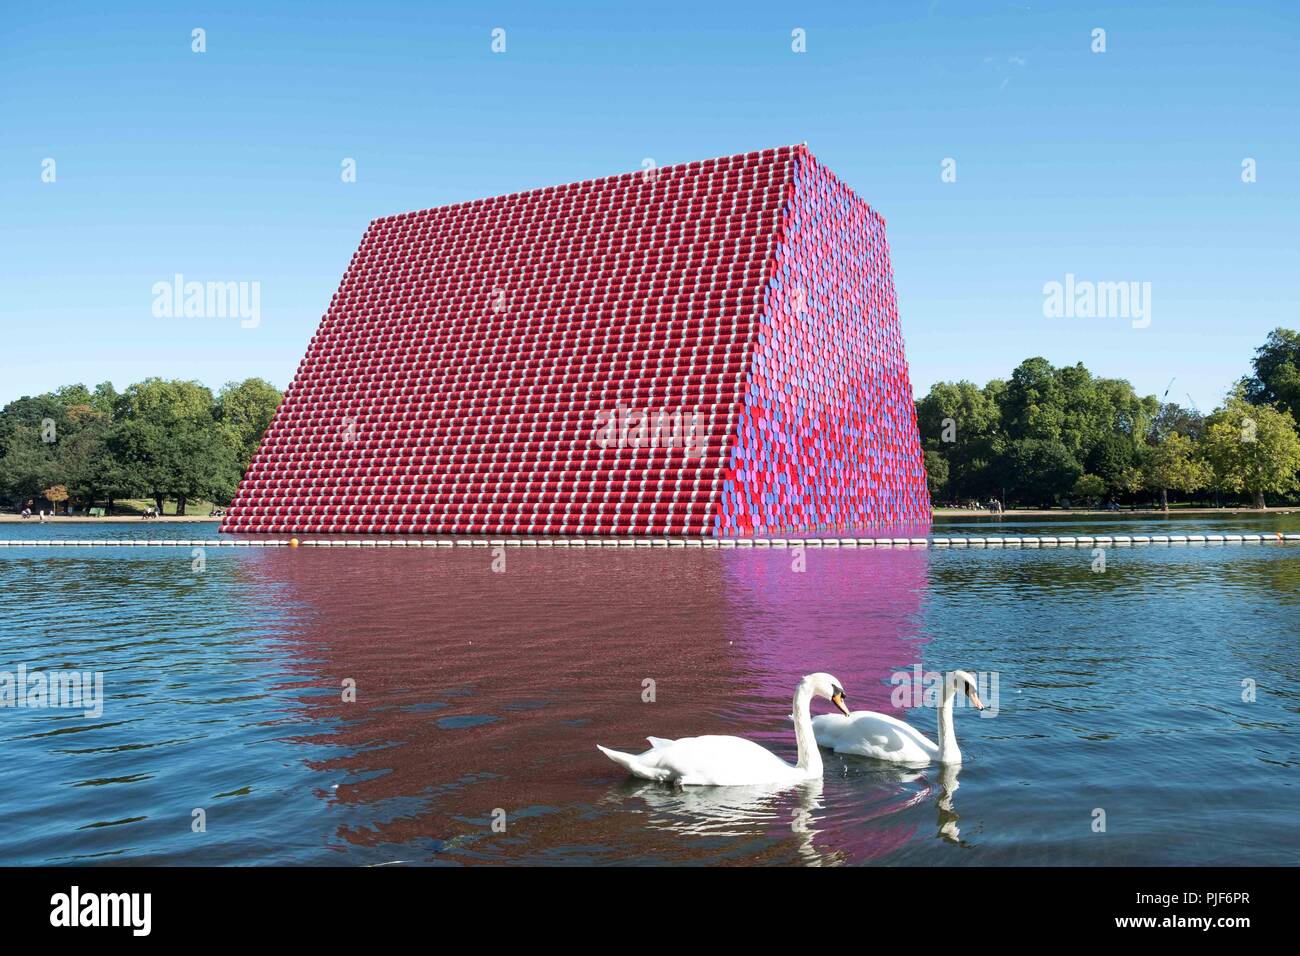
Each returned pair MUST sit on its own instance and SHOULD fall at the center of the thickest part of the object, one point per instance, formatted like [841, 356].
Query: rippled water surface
[481, 696]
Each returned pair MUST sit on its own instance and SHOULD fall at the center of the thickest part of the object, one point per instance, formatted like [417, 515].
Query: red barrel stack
[709, 348]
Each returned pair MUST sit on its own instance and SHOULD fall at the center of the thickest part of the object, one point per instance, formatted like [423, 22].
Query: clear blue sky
[225, 166]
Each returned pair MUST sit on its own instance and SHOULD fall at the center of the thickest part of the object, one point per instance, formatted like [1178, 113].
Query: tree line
[159, 439]
[1043, 437]
[1049, 436]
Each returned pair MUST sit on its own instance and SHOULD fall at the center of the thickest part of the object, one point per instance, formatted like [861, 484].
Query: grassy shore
[1173, 512]
[128, 509]
[114, 519]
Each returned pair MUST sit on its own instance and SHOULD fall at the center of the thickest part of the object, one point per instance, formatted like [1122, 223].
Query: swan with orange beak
[865, 733]
[717, 761]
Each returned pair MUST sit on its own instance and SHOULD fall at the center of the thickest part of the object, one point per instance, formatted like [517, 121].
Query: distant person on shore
[27, 513]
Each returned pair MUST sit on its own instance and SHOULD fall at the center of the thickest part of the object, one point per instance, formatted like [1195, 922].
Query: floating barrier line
[1031, 541]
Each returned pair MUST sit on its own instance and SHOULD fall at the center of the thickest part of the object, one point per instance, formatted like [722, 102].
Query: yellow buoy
[293, 542]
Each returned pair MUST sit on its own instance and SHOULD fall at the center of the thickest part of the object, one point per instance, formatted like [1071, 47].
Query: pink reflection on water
[854, 613]
[478, 690]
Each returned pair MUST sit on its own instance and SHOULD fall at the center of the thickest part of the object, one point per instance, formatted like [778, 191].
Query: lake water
[480, 696]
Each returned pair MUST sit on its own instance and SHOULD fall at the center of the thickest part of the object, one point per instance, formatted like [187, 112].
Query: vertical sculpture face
[710, 349]
[828, 437]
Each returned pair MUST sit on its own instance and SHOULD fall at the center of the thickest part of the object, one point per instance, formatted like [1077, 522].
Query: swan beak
[838, 701]
[975, 699]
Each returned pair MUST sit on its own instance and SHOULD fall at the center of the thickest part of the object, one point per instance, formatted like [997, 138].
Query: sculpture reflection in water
[479, 694]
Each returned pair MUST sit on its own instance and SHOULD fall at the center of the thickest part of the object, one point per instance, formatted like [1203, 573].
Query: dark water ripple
[479, 694]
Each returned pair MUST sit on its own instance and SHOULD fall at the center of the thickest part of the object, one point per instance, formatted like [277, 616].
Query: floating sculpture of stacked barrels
[466, 374]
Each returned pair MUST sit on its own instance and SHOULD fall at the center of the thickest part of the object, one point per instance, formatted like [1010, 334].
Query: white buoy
[939, 541]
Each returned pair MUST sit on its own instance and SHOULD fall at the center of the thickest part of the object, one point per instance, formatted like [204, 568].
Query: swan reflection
[938, 782]
[949, 832]
[728, 811]
[752, 811]
[862, 811]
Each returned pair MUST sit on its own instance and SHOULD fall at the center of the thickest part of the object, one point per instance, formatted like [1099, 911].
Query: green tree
[958, 422]
[141, 446]
[1031, 406]
[244, 410]
[42, 416]
[1172, 417]
[1277, 372]
[70, 395]
[1089, 488]
[34, 432]
[104, 399]
[203, 463]
[1130, 481]
[1252, 448]
[86, 462]
[171, 443]
[27, 466]
[1112, 458]
[936, 473]
[1032, 435]
[1042, 470]
[1172, 464]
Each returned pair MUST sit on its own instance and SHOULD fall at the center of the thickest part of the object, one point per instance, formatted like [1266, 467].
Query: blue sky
[225, 166]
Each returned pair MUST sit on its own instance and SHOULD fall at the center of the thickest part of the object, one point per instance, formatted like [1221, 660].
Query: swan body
[720, 761]
[711, 761]
[865, 733]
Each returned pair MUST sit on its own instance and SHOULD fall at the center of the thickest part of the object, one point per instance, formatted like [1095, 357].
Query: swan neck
[810, 758]
[948, 751]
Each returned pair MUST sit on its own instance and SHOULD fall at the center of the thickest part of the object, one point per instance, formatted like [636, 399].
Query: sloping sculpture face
[710, 348]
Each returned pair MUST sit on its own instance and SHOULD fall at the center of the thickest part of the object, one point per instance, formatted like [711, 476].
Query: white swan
[716, 761]
[868, 734]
